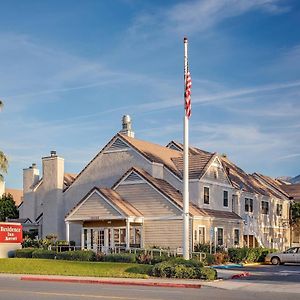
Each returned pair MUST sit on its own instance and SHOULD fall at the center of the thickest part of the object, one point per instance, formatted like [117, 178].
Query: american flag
[187, 93]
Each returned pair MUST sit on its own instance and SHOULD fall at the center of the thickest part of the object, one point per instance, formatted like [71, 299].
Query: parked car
[291, 255]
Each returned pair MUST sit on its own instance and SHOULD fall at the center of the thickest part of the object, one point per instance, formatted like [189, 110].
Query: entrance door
[97, 239]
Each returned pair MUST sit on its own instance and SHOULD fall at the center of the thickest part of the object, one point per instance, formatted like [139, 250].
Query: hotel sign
[11, 233]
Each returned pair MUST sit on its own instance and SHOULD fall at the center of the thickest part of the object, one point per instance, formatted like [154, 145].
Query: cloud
[189, 17]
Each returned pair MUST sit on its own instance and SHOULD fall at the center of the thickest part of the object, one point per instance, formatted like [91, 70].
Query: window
[279, 210]
[220, 236]
[248, 205]
[234, 202]
[225, 198]
[201, 235]
[236, 237]
[264, 207]
[206, 195]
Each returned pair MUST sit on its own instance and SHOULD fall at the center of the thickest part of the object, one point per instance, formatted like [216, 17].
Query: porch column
[82, 238]
[127, 234]
[67, 231]
[89, 246]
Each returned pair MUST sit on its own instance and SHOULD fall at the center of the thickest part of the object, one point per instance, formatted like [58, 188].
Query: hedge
[238, 255]
[24, 253]
[179, 268]
[46, 254]
[78, 255]
[125, 257]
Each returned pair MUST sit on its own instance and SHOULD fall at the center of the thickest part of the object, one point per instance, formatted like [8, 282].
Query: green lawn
[61, 267]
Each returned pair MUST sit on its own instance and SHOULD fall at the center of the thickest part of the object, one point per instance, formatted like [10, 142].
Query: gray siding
[95, 206]
[163, 233]
[104, 171]
[147, 200]
[216, 174]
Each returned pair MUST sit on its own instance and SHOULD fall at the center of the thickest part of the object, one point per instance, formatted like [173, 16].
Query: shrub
[180, 268]
[238, 255]
[78, 255]
[30, 243]
[208, 273]
[41, 253]
[202, 248]
[220, 258]
[24, 253]
[210, 259]
[124, 257]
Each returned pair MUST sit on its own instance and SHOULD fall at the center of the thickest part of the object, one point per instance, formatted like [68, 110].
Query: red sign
[11, 233]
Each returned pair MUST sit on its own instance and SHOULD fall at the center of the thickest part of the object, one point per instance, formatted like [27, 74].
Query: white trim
[39, 183]
[131, 182]
[201, 226]
[224, 190]
[221, 167]
[122, 182]
[164, 218]
[103, 197]
[96, 219]
[147, 182]
[224, 185]
[240, 235]
[117, 150]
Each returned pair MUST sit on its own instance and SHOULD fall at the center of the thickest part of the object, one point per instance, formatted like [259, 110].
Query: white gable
[95, 207]
[117, 145]
[216, 173]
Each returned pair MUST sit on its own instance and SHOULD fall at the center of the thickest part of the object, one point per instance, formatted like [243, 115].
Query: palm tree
[3, 159]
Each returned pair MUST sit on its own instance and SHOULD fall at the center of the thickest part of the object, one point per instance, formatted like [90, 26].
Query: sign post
[11, 237]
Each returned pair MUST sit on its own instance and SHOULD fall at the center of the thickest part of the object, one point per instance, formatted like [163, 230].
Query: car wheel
[275, 260]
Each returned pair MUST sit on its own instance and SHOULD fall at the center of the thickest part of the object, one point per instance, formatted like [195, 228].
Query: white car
[291, 255]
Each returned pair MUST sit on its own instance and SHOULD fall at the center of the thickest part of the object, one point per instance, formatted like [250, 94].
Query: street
[267, 282]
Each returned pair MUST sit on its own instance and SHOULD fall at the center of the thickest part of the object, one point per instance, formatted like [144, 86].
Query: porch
[108, 236]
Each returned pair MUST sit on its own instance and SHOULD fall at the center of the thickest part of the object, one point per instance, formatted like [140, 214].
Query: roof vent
[52, 153]
[126, 126]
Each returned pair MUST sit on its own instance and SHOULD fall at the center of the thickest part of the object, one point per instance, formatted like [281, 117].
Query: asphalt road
[283, 273]
[14, 289]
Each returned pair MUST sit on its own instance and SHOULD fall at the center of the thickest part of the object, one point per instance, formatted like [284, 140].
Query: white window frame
[198, 233]
[218, 235]
[234, 229]
[227, 198]
[205, 186]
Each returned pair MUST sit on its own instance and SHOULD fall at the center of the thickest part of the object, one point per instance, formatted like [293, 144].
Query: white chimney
[126, 126]
[30, 177]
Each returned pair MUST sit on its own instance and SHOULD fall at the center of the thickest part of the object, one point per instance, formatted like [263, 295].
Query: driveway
[266, 278]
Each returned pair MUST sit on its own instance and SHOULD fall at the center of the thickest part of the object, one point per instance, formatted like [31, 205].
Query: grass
[72, 268]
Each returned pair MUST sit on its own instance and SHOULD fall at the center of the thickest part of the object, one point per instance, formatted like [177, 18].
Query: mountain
[296, 179]
[290, 179]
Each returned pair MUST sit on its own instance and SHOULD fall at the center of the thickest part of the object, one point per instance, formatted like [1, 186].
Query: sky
[71, 69]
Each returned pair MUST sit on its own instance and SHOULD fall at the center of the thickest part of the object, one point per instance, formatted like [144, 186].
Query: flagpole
[186, 250]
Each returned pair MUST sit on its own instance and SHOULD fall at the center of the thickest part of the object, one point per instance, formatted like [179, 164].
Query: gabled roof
[155, 153]
[192, 150]
[198, 164]
[69, 178]
[114, 198]
[173, 159]
[176, 197]
[273, 183]
[293, 190]
[16, 194]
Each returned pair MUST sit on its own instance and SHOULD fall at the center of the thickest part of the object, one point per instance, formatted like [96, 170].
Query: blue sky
[71, 69]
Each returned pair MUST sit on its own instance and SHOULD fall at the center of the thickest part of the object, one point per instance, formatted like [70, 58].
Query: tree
[295, 209]
[8, 208]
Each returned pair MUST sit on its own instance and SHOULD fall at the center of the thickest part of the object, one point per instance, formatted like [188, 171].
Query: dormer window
[206, 195]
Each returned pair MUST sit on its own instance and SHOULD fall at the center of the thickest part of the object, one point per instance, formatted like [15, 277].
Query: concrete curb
[113, 282]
